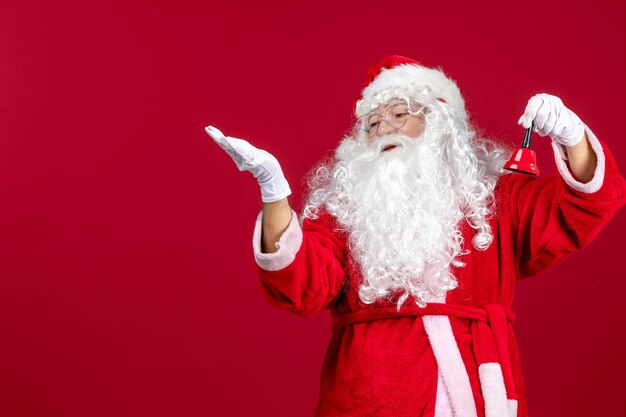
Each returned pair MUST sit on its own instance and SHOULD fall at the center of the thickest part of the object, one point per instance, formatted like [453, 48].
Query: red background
[126, 278]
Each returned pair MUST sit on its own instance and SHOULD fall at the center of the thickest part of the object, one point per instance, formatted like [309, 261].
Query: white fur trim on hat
[409, 80]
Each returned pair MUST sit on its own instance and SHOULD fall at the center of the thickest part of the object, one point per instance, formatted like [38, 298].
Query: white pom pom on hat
[398, 75]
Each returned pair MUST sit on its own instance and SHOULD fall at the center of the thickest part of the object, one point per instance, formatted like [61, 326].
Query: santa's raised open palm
[263, 165]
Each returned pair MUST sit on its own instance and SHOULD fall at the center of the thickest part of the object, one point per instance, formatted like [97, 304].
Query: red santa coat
[458, 356]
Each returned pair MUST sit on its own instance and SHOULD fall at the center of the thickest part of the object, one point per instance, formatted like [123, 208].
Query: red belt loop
[500, 330]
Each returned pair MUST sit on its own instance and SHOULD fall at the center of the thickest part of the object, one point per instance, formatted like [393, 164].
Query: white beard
[401, 214]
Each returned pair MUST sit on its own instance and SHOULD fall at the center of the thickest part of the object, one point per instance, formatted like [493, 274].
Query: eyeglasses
[395, 116]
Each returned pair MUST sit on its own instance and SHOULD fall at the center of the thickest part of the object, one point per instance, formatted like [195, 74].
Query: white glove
[260, 163]
[550, 117]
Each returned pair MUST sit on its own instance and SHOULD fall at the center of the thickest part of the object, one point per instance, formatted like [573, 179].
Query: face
[395, 117]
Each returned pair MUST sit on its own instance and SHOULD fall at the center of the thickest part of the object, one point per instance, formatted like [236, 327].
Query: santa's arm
[582, 160]
[305, 274]
[553, 216]
[301, 269]
[556, 215]
[276, 218]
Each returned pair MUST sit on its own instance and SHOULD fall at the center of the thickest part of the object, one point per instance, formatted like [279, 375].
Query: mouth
[389, 147]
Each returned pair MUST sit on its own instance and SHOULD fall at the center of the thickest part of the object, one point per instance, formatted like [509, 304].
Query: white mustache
[400, 142]
[391, 139]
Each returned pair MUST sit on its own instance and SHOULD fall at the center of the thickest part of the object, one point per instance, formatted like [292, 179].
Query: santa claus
[414, 238]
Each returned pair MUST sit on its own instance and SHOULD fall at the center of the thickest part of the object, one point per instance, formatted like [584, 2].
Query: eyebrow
[387, 107]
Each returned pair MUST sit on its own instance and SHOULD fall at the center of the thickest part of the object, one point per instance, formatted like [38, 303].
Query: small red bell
[524, 159]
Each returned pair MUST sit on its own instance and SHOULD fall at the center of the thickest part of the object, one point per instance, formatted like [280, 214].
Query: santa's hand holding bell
[549, 117]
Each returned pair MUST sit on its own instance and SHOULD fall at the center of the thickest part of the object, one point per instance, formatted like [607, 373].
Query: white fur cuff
[288, 245]
[598, 176]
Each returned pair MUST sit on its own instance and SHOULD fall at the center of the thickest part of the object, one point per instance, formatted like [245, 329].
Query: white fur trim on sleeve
[598, 176]
[288, 245]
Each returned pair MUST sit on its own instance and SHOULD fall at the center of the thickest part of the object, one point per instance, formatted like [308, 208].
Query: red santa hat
[396, 76]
